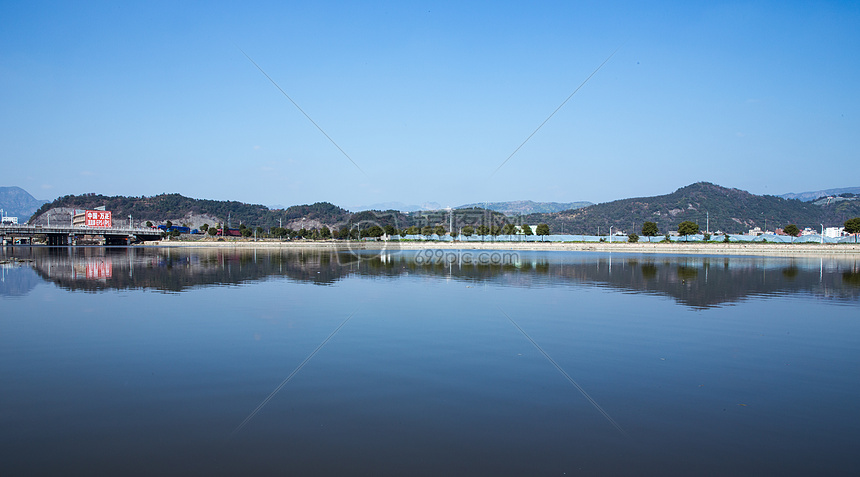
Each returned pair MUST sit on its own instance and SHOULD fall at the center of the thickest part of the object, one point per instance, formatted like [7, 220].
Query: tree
[168, 224]
[439, 230]
[374, 231]
[852, 226]
[649, 229]
[427, 230]
[791, 230]
[542, 230]
[527, 230]
[468, 230]
[389, 230]
[212, 231]
[204, 227]
[325, 233]
[632, 238]
[686, 228]
[482, 230]
[495, 231]
[509, 229]
[246, 232]
[149, 223]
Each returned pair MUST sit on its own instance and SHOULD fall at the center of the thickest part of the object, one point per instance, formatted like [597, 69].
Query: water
[148, 361]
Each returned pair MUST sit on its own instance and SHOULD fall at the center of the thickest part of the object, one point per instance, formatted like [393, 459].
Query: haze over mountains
[515, 207]
[16, 202]
[812, 195]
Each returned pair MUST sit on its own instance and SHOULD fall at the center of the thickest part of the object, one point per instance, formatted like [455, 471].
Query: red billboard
[98, 218]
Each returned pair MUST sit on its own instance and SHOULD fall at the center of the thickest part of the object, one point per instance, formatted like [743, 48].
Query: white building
[833, 232]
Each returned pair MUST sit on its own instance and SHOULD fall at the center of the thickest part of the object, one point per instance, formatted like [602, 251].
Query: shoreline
[692, 248]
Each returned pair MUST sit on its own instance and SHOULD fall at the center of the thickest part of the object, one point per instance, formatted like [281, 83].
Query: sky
[416, 102]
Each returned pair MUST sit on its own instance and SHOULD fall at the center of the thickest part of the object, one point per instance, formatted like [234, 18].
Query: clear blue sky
[428, 98]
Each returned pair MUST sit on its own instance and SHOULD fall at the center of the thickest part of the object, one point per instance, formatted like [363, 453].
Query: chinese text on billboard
[98, 218]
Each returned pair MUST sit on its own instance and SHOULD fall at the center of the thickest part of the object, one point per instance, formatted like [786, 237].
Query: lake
[159, 361]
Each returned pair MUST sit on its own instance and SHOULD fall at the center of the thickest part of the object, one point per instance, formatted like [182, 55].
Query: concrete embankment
[768, 249]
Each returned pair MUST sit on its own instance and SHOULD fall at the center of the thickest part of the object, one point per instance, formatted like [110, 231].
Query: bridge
[68, 235]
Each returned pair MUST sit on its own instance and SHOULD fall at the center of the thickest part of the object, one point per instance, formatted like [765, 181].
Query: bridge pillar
[58, 240]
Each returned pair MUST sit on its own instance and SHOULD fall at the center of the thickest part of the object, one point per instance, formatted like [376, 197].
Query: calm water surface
[220, 362]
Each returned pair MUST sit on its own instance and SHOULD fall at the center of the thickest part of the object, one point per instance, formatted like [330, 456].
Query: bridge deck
[69, 230]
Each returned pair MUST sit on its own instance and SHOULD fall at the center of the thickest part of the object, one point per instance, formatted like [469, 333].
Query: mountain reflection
[695, 281]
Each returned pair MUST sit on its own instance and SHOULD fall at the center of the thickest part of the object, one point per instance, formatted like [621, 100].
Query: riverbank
[695, 248]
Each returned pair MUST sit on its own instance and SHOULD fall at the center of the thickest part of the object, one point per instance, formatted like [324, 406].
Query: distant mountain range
[812, 195]
[398, 206]
[522, 207]
[16, 202]
[516, 207]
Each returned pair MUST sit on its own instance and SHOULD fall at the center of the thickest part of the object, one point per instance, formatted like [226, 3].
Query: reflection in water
[696, 281]
[427, 377]
[17, 279]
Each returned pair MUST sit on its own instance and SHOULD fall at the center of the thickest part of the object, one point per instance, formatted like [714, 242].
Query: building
[834, 232]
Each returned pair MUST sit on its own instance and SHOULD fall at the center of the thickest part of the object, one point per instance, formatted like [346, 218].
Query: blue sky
[428, 98]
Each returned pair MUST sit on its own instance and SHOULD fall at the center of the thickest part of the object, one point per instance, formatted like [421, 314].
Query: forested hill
[730, 210]
[173, 206]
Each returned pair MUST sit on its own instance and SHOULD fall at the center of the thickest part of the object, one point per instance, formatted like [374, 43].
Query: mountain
[728, 210]
[194, 212]
[180, 209]
[398, 206]
[812, 195]
[521, 207]
[16, 202]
